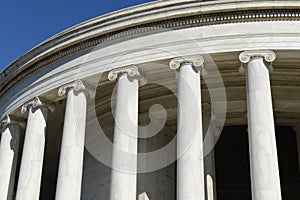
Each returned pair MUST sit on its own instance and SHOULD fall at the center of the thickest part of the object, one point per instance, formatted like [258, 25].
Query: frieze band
[184, 22]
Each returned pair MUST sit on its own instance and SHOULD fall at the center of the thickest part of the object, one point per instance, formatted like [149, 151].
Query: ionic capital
[195, 61]
[11, 120]
[268, 55]
[246, 56]
[76, 85]
[132, 71]
[37, 102]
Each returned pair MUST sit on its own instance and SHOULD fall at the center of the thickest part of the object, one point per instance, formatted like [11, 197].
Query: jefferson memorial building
[169, 100]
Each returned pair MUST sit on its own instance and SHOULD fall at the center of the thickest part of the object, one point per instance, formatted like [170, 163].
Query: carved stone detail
[192, 21]
[268, 55]
[37, 102]
[132, 71]
[246, 56]
[195, 61]
[9, 120]
[77, 85]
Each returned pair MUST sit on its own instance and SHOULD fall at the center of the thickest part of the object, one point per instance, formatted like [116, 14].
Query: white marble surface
[140, 15]
[221, 38]
[33, 153]
[72, 147]
[190, 168]
[265, 182]
[124, 161]
[154, 47]
[9, 148]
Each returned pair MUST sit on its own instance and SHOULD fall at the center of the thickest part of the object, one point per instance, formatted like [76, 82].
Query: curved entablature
[140, 20]
[151, 40]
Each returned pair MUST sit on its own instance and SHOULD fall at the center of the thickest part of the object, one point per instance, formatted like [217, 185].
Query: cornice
[120, 25]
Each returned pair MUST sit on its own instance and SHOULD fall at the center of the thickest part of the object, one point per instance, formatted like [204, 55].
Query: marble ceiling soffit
[11, 79]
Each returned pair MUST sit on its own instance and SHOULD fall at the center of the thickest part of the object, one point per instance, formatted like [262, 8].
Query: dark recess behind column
[233, 165]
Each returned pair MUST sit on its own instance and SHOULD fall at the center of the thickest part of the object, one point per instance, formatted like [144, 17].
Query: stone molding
[205, 19]
[37, 102]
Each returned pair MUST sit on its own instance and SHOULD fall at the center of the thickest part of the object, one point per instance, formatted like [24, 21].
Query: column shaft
[265, 181]
[210, 176]
[123, 183]
[9, 149]
[72, 147]
[33, 154]
[190, 169]
[209, 160]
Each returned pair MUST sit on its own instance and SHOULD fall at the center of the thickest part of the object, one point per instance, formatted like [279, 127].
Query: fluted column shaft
[265, 182]
[124, 160]
[72, 147]
[33, 150]
[9, 149]
[190, 168]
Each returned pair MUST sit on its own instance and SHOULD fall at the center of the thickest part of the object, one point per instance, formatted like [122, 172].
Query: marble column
[72, 146]
[124, 159]
[297, 132]
[190, 168]
[209, 125]
[33, 149]
[265, 182]
[9, 150]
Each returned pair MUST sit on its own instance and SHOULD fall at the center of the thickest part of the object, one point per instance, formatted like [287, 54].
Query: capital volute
[268, 55]
[77, 85]
[246, 56]
[131, 70]
[11, 120]
[37, 102]
[196, 61]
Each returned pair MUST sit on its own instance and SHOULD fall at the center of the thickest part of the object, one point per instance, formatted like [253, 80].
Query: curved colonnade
[120, 58]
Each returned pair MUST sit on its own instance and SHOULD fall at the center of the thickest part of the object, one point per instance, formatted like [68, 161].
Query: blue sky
[26, 23]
